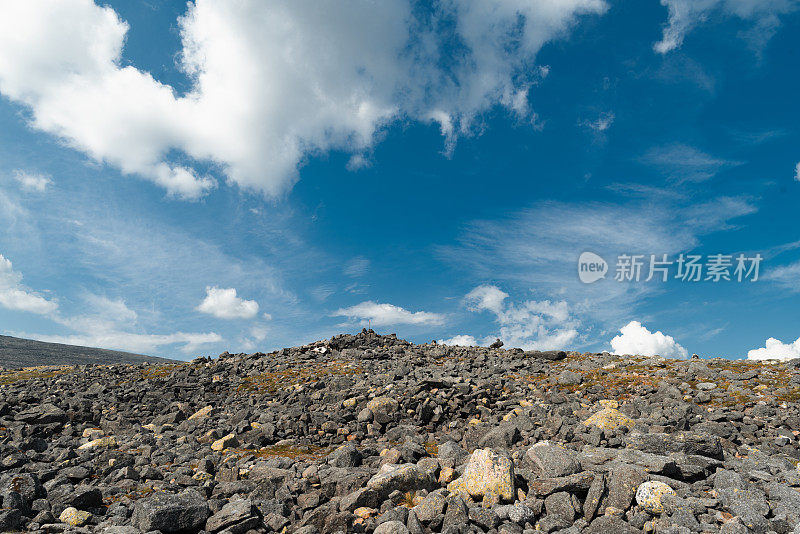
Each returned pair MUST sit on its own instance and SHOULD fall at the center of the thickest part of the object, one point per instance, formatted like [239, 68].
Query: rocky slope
[18, 352]
[369, 433]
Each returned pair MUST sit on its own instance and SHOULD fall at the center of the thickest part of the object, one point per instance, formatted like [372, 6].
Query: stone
[570, 378]
[202, 413]
[649, 494]
[610, 525]
[577, 483]
[391, 527]
[382, 408]
[457, 513]
[346, 455]
[548, 460]
[74, 517]
[399, 477]
[241, 513]
[485, 518]
[105, 442]
[225, 442]
[560, 505]
[696, 443]
[171, 512]
[489, 473]
[431, 506]
[609, 419]
[500, 437]
[623, 481]
[593, 496]
[520, 514]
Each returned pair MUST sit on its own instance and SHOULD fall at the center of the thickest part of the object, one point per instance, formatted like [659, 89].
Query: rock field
[367, 433]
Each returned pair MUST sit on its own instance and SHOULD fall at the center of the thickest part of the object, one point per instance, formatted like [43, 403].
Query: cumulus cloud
[31, 181]
[15, 296]
[486, 297]
[797, 172]
[530, 325]
[461, 340]
[272, 82]
[377, 314]
[537, 325]
[685, 15]
[774, 349]
[224, 304]
[635, 339]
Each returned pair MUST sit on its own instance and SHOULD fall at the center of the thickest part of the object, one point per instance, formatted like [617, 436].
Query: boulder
[166, 512]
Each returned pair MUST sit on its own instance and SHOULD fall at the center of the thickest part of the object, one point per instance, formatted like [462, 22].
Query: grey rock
[560, 505]
[171, 513]
[548, 460]
[391, 527]
[485, 518]
[240, 512]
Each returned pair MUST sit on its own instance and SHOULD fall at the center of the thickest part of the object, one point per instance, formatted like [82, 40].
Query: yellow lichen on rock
[609, 419]
[108, 441]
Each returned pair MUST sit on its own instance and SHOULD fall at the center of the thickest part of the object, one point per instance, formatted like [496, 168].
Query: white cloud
[683, 163]
[224, 304]
[377, 314]
[787, 276]
[133, 342]
[111, 324]
[257, 334]
[357, 267]
[272, 82]
[15, 296]
[635, 339]
[797, 172]
[537, 325]
[774, 349]
[539, 247]
[107, 323]
[602, 123]
[486, 297]
[32, 181]
[531, 325]
[685, 15]
[461, 340]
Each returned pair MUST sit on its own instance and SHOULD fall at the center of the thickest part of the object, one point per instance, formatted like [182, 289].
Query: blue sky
[184, 179]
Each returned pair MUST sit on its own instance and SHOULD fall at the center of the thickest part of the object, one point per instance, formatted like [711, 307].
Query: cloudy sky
[182, 179]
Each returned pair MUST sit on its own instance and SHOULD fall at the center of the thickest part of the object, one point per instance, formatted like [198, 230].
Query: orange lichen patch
[431, 448]
[160, 371]
[296, 375]
[138, 493]
[294, 452]
[30, 373]
[408, 500]
[617, 383]
[736, 366]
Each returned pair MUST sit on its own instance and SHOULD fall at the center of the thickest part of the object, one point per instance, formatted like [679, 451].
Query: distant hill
[18, 352]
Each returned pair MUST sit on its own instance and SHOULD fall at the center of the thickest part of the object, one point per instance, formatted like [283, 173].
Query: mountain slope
[18, 352]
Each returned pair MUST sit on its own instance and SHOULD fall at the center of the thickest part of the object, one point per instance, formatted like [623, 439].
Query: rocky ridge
[368, 433]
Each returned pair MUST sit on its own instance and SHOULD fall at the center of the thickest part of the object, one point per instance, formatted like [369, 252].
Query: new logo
[591, 267]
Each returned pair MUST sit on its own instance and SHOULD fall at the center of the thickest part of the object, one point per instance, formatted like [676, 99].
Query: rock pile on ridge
[371, 434]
